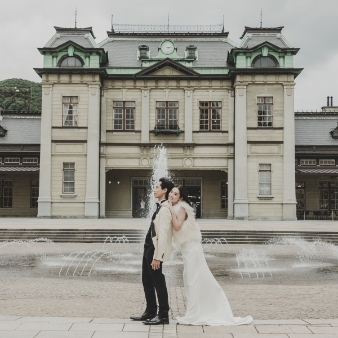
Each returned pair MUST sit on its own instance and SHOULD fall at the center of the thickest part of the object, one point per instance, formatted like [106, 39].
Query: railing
[164, 128]
[132, 28]
[331, 215]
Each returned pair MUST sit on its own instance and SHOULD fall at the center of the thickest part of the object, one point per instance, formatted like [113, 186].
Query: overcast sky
[310, 25]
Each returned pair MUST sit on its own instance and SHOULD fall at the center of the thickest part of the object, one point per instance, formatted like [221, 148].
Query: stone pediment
[167, 67]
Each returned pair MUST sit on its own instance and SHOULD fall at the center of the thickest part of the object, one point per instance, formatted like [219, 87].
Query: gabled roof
[68, 43]
[268, 44]
[149, 71]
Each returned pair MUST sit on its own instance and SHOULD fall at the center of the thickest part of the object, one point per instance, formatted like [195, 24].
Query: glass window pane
[130, 104]
[160, 103]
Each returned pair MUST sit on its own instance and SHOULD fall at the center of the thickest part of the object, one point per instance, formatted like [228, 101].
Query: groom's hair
[166, 184]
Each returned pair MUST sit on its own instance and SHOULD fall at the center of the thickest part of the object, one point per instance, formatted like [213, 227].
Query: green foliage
[19, 94]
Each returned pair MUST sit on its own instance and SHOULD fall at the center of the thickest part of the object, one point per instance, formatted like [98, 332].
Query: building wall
[21, 195]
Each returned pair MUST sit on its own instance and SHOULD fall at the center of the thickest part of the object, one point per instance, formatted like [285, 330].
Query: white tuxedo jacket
[163, 239]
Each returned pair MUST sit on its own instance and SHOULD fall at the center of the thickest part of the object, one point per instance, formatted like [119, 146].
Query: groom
[157, 249]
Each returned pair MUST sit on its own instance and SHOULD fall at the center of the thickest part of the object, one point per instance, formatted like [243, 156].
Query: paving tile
[114, 334]
[96, 327]
[56, 319]
[7, 318]
[190, 329]
[65, 334]
[113, 321]
[282, 329]
[43, 326]
[321, 321]
[323, 329]
[250, 329]
[9, 325]
[260, 336]
[313, 335]
[136, 328]
[279, 322]
[19, 334]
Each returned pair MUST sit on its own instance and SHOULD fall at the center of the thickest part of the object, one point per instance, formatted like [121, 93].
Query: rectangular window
[328, 195]
[307, 162]
[327, 162]
[12, 160]
[166, 115]
[224, 195]
[6, 194]
[124, 115]
[300, 195]
[265, 179]
[264, 111]
[34, 193]
[210, 115]
[68, 178]
[30, 160]
[70, 104]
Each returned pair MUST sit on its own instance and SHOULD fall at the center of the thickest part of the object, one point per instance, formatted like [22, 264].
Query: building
[316, 163]
[225, 112]
[19, 162]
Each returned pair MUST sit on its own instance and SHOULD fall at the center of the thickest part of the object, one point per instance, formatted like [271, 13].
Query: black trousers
[154, 280]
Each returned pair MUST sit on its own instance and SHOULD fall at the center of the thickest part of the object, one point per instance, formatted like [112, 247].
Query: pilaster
[102, 187]
[145, 116]
[188, 116]
[241, 157]
[45, 201]
[289, 194]
[93, 140]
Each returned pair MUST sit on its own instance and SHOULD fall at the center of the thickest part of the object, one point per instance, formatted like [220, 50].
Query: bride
[206, 300]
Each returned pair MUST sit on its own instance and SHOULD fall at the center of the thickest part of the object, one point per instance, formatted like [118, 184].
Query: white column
[102, 186]
[93, 140]
[145, 116]
[45, 201]
[241, 210]
[188, 116]
[231, 109]
[289, 196]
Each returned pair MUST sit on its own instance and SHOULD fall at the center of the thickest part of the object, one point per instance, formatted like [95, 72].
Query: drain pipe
[332, 214]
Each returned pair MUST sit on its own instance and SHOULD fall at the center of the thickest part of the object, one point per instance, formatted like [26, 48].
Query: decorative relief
[188, 162]
[144, 162]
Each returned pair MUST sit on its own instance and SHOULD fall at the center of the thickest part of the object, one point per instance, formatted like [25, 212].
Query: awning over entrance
[329, 171]
[16, 169]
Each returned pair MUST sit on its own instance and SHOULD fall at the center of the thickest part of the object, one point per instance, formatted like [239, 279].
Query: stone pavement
[137, 223]
[75, 327]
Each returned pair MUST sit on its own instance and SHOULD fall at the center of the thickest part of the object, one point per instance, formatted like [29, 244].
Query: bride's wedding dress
[206, 300]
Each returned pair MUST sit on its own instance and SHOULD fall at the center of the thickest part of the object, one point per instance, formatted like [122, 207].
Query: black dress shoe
[145, 315]
[156, 321]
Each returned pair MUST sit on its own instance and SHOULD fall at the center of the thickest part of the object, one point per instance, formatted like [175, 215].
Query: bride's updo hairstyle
[184, 194]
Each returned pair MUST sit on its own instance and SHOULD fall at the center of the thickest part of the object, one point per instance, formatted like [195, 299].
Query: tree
[19, 94]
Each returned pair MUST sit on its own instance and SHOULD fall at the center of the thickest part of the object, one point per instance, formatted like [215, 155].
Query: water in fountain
[160, 169]
[253, 262]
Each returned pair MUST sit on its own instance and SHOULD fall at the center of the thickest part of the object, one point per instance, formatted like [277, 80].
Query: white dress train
[206, 300]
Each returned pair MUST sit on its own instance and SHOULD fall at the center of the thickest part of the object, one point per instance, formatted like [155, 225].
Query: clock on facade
[167, 47]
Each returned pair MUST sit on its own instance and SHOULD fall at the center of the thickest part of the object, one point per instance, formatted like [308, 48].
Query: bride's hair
[184, 194]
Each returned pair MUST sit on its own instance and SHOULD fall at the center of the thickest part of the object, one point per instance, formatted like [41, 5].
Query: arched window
[264, 62]
[71, 61]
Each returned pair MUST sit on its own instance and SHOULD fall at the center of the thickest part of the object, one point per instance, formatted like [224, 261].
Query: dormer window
[3, 131]
[190, 52]
[143, 52]
[264, 62]
[71, 61]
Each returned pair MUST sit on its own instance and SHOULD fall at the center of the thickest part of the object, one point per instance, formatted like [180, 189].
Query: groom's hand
[155, 264]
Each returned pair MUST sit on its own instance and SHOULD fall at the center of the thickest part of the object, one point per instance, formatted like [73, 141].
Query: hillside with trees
[19, 94]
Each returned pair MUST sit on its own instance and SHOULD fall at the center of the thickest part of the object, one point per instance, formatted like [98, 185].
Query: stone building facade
[224, 110]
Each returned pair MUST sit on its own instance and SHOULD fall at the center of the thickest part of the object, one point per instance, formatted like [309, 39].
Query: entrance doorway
[194, 188]
[140, 190]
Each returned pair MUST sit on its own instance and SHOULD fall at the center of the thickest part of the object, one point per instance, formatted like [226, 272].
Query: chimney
[328, 101]
[331, 101]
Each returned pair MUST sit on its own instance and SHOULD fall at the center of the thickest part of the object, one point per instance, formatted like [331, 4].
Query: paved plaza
[50, 290]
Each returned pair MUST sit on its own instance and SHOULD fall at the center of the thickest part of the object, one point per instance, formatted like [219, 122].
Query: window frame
[261, 182]
[264, 117]
[69, 169]
[67, 57]
[6, 185]
[8, 162]
[300, 195]
[74, 116]
[166, 107]
[124, 119]
[224, 191]
[321, 161]
[34, 196]
[303, 161]
[209, 107]
[268, 57]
